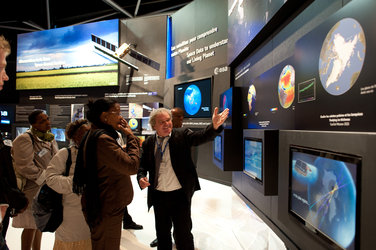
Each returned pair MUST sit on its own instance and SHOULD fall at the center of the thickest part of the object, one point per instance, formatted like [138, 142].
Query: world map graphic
[342, 56]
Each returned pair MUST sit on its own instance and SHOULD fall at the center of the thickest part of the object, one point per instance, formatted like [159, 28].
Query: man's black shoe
[154, 243]
[133, 226]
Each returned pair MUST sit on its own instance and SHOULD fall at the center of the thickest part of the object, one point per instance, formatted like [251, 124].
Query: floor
[221, 221]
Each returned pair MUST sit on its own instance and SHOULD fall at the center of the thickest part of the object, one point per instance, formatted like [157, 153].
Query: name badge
[42, 152]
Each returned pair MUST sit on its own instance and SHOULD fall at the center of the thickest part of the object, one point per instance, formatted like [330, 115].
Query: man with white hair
[173, 179]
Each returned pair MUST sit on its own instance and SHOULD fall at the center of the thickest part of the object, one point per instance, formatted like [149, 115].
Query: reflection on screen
[253, 158]
[324, 194]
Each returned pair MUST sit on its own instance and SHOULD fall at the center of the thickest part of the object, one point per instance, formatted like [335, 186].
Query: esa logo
[220, 70]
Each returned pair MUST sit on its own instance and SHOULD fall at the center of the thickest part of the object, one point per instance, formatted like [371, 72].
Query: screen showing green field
[66, 57]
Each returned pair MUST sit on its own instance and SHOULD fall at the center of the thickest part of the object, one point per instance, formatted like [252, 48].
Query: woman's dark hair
[96, 108]
[33, 116]
[72, 127]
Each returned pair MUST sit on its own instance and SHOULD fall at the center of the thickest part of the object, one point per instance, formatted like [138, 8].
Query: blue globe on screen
[192, 99]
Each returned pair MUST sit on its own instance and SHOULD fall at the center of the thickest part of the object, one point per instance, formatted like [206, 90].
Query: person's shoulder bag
[47, 205]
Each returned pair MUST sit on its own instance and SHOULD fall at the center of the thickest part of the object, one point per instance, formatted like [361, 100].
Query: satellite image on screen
[253, 158]
[286, 86]
[192, 99]
[342, 56]
[323, 193]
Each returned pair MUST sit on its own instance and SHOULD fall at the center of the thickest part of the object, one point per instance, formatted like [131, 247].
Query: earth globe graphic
[332, 200]
[192, 99]
[133, 123]
[342, 56]
[286, 86]
[251, 97]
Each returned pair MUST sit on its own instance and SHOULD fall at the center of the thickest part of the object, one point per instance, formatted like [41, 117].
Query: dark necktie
[158, 159]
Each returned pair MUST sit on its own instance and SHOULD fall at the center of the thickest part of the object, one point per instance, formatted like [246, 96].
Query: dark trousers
[173, 209]
[127, 219]
[5, 223]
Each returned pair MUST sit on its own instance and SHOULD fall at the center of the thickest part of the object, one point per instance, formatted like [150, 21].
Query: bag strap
[31, 137]
[68, 162]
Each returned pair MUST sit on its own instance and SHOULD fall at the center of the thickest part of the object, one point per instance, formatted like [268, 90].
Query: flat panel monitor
[194, 97]
[59, 134]
[324, 193]
[253, 163]
[135, 125]
[146, 127]
[218, 148]
[66, 57]
[21, 130]
[7, 114]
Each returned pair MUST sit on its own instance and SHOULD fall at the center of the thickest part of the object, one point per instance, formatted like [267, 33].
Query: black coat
[9, 192]
[180, 143]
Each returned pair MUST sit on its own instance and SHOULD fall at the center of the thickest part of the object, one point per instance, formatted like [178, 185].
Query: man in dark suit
[12, 200]
[173, 177]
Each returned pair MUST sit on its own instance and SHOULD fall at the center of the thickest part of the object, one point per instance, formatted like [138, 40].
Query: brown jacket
[114, 166]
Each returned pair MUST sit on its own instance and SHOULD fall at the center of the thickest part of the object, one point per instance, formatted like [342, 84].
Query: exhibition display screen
[135, 125]
[194, 97]
[66, 57]
[252, 153]
[59, 134]
[21, 130]
[324, 193]
[225, 102]
[218, 148]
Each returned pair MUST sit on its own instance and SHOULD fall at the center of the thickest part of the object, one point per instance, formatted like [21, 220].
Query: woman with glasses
[103, 170]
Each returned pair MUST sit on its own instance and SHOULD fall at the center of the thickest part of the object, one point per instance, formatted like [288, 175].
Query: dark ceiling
[25, 16]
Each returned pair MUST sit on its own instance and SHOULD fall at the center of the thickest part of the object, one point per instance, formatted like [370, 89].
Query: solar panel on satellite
[112, 51]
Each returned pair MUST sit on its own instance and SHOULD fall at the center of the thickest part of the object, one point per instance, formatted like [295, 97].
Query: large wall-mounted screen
[324, 193]
[194, 98]
[66, 57]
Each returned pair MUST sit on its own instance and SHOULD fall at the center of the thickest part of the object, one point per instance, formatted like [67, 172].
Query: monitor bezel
[353, 159]
[259, 140]
[187, 83]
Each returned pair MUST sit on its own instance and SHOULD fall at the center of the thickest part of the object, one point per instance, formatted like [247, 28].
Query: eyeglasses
[115, 113]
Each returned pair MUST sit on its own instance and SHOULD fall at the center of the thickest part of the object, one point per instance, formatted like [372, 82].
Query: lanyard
[159, 146]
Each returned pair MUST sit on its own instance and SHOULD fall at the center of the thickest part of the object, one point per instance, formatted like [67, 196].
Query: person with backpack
[31, 152]
[73, 233]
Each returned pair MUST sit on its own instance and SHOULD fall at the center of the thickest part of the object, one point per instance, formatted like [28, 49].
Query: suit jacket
[180, 153]
[114, 167]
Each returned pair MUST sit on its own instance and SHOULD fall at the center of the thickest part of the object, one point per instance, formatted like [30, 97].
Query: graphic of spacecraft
[116, 53]
[302, 167]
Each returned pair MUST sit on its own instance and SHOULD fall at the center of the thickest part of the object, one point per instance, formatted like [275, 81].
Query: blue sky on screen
[68, 46]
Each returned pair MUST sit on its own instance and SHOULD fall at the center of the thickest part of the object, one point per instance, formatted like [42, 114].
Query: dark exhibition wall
[199, 50]
[311, 80]
[296, 75]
